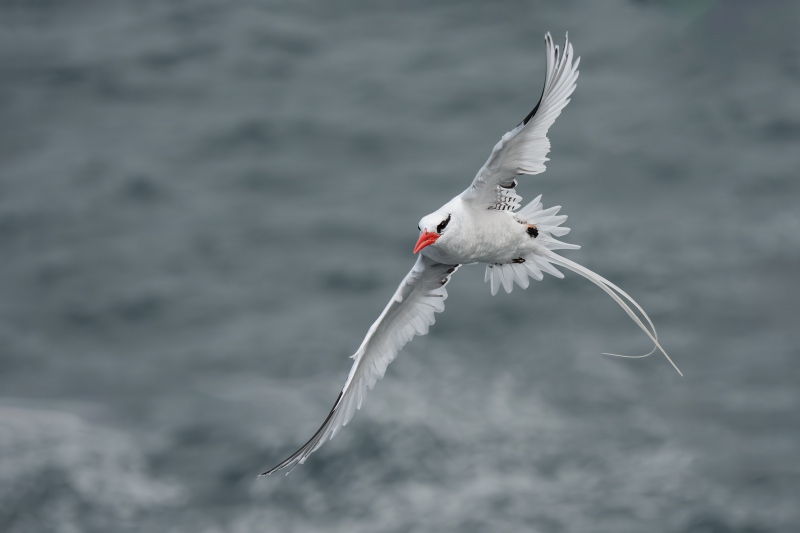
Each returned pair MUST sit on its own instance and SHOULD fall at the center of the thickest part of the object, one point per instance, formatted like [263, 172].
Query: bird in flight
[483, 224]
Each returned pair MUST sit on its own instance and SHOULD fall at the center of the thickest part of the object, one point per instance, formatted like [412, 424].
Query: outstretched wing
[410, 312]
[523, 150]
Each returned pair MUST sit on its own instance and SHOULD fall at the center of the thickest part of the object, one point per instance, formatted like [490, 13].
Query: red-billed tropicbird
[483, 224]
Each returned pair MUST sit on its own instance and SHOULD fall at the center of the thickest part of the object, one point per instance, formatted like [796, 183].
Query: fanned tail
[548, 223]
[615, 293]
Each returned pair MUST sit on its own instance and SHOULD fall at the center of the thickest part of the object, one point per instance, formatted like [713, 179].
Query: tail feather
[615, 293]
[548, 223]
[533, 270]
[520, 275]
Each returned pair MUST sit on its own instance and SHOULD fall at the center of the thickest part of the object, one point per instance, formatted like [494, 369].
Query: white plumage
[481, 225]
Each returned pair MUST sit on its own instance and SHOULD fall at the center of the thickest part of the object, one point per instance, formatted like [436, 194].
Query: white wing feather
[410, 312]
[523, 150]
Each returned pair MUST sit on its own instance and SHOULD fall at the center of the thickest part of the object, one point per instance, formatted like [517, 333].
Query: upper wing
[410, 312]
[523, 150]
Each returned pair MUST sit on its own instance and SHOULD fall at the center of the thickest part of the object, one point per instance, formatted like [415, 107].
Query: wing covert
[410, 312]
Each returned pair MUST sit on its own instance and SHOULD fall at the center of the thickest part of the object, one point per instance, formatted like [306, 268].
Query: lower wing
[410, 312]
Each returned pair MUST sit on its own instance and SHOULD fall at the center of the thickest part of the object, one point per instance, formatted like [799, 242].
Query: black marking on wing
[448, 273]
[292, 457]
[518, 260]
[506, 198]
[535, 109]
[533, 231]
[530, 115]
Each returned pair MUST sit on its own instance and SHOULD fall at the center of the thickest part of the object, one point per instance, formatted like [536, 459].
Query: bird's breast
[487, 236]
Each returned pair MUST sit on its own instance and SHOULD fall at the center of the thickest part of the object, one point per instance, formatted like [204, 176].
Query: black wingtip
[288, 461]
[547, 39]
[535, 109]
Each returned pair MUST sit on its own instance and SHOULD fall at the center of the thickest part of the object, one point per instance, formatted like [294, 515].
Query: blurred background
[204, 205]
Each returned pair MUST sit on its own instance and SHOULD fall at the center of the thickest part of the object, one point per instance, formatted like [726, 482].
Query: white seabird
[483, 224]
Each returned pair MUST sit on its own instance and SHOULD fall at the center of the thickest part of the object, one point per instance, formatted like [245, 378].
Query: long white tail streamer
[615, 293]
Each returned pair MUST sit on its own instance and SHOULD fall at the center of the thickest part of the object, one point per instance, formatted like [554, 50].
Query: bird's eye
[443, 224]
[419, 228]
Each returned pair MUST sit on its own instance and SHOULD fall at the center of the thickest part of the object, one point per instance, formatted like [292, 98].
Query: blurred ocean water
[204, 205]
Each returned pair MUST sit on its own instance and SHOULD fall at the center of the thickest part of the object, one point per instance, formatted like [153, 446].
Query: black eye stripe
[443, 225]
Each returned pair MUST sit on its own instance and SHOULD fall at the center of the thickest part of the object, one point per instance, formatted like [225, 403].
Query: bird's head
[432, 227]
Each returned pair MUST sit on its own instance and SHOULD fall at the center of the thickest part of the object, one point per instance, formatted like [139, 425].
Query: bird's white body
[484, 224]
[477, 235]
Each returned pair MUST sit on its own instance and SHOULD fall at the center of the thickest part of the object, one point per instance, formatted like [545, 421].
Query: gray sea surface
[204, 205]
